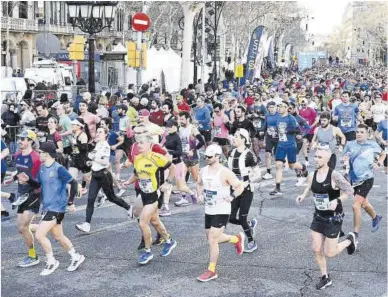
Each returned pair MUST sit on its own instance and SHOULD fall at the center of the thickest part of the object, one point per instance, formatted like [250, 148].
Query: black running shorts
[53, 215]
[326, 227]
[216, 221]
[31, 204]
[364, 188]
[270, 144]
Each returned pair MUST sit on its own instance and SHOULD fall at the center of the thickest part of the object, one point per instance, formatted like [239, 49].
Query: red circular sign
[141, 22]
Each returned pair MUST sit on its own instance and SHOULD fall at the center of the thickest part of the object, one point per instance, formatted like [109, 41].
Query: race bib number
[258, 125]
[218, 130]
[42, 139]
[185, 147]
[282, 132]
[75, 150]
[272, 132]
[346, 121]
[210, 198]
[321, 201]
[146, 185]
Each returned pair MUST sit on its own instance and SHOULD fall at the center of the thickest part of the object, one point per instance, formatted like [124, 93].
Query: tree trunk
[189, 11]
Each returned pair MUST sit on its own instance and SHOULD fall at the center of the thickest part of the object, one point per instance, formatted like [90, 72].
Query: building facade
[23, 21]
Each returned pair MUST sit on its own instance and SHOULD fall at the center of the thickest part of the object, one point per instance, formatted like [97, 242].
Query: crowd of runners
[225, 139]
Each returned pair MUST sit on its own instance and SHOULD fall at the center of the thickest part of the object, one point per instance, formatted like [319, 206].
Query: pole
[215, 47]
[138, 70]
[195, 50]
[204, 54]
[7, 54]
[92, 83]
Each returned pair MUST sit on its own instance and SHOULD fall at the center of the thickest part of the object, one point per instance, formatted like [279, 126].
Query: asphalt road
[282, 266]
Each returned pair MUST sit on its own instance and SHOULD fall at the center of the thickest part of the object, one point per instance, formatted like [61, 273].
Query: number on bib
[146, 185]
[210, 198]
[321, 201]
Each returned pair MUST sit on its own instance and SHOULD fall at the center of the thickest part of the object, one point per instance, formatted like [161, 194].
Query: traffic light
[133, 55]
[144, 55]
[76, 49]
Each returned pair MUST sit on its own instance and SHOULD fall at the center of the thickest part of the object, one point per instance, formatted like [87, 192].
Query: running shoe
[164, 212]
[50, 268]
[83, 191]
[145, 257]
[353, 246]
[84, 227]
[301, 181]
[159, 240]
[324, 282]
[193, 197]
[182, 202]
[76, 262]
[251, 247]
[240, 243]
[21, 199]
[253, 225]
[207, 276]
[121, 192]
[168, 247]
[307, 163]
[101, 200]
[29, 261]
[376, 223]
[276, 192]
[12, 198]
[267, 176]
[175, 192]
[141, 245]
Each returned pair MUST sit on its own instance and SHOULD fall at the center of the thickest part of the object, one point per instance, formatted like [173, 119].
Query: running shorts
[364, 188]
[350, 136]
[31, 204]
[216, 221]
[53, 215]
[324, 226]
[283, 152]
[270, 144]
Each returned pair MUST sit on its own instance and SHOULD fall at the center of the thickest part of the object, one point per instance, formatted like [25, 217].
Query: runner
[382, 137]
[146, 166]
[53, 178]
[89, 118]
[326, 135]
[215, 182]
[271, 137]
[310, 115]
[243, 164]
[192, 141]
[221, 131]
[329, 189]
[360, 154]
[203, 117]
[101, 178]
[346, 115]
[287, 129]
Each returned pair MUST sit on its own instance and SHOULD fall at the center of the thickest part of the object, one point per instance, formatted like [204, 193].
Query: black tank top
[323, 193]
[76, 152]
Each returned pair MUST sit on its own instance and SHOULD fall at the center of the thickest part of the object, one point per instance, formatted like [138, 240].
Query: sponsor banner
[260, 55]
[252, 52]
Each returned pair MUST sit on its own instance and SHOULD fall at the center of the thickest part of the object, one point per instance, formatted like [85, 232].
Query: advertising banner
[252, 52]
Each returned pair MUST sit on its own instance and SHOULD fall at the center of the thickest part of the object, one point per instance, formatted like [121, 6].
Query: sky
[327, 14]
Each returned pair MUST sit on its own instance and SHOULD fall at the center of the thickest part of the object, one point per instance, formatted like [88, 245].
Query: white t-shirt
[101, 151]
[378, 112]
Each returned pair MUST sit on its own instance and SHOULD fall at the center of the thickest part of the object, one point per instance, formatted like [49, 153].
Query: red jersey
[156, 117]
[184, 107]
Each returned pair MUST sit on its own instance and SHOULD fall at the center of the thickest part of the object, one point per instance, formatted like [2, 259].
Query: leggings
[102, 179]
[242, 202]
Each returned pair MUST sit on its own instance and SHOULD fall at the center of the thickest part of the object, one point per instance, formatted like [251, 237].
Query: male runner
[326, 135]
[329, 189]
[146, 167]
[215, 182]
[53, 178]
[287, 128]
[360, 154]
[382, 137]
[346, 114]
[271, 137]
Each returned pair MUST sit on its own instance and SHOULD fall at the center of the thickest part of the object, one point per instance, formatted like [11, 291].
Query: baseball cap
[87, 95]
[244, 133]
[144, 101]
[212, 150]
[271, 103]
[172, 123]
[179, 97]
[48, 147]
[144, 113]
[28, 134]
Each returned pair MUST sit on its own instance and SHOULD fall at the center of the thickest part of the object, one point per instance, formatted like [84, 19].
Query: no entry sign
[141, 22]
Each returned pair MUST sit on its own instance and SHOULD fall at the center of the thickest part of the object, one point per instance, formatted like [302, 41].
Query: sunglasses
[217, 110]
[209, 157]
[23, 138]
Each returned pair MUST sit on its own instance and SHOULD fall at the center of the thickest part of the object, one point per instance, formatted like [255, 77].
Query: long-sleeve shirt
[173, 145]
[202, 115]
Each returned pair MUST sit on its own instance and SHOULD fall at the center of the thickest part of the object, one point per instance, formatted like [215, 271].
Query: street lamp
[92, 17]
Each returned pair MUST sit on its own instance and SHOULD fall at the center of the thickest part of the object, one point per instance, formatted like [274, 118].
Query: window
[23, 9]
[7, 11]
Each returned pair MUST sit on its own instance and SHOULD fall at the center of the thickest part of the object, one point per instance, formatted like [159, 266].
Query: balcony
[25, 25]
[19, 25]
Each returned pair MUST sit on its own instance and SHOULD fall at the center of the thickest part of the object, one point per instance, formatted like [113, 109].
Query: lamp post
[91, 17]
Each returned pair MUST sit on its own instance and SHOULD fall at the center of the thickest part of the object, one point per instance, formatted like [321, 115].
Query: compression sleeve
[201, 141]
[73, 191]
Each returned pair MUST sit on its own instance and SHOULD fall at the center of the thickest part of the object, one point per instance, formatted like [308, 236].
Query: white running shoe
[84, 227]
[76, 262]
[130, 212]
[301, 181]
[267, 176]
[307, 163]
[121, 192]
[101, 200]
[50, 268]
[182, 202]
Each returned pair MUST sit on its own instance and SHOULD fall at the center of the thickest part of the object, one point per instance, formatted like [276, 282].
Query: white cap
[144, 101]
[244, 133]
[212, 150]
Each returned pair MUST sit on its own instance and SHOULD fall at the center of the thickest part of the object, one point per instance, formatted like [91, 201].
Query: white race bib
[210, 198]
[146, 185]
[218, 130]
[346, 122]
[321, 201]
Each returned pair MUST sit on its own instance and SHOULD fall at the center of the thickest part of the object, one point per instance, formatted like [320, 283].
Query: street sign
[141, 22]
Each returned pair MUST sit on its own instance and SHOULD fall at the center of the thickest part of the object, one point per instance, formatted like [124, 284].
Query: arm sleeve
[177, 152]
[73, 191]
[201, 140]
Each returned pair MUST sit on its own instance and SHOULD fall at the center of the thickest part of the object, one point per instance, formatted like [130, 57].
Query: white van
[13, 87]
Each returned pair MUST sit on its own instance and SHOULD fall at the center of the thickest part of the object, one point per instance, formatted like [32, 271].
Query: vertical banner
[260, 55]
[271, 52]
[252, 52]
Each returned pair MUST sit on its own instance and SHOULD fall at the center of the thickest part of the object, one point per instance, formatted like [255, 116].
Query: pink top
[91, 120]
[219, 127]
[309, 115]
